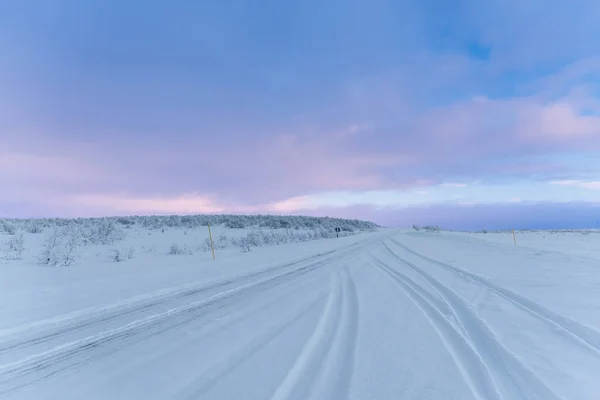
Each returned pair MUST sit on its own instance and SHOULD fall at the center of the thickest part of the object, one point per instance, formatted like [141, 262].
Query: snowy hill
[65, 242]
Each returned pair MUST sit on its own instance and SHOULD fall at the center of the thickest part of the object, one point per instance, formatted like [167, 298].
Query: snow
[582, 243]
[383, 315]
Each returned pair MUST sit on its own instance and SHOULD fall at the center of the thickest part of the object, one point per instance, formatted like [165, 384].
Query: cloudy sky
[464, 113]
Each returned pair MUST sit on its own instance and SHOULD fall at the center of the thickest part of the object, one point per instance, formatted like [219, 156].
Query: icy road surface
[388, 315]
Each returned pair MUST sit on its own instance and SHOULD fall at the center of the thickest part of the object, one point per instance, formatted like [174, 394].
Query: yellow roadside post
[212, 247]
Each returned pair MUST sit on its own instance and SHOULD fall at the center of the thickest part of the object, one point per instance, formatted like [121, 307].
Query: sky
[464, 114]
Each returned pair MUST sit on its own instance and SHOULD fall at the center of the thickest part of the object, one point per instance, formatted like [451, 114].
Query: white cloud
[454, 184]
[577, 183]
[291, 205]
[568, 182]
[590, 185]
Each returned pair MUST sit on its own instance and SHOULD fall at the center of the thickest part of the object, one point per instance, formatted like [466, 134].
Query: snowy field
[576, 242]
[377, 314]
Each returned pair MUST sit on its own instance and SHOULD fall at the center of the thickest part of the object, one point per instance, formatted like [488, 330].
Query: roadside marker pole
[514, 237]
[212, 247]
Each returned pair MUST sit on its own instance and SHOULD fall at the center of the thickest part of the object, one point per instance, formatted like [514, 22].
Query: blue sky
[397, 111]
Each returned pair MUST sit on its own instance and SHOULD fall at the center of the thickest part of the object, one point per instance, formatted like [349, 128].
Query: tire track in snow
[470, 365]
[340, 345]
[323, 369]
[512, 378]
[571, 330]
[50, 332]
[211, 323]
[316, 344]
[69, 352]
[227, 365]
[73, 354]
[336, 374]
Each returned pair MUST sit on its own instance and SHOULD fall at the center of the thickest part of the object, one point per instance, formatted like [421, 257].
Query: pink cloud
[481, 126]
[559, 121]
[118, 204]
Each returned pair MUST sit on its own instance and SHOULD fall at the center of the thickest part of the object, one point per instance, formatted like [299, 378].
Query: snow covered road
[390, 315]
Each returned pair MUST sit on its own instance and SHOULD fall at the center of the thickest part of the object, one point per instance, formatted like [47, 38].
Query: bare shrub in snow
[120, 255]
[35, 227]
[254, 239]
[244, 244]
[221, 242]
[276, 238]
[265, 238]
[324, 234]
[117, 255]
[259, 239]
[61, 248]
[9, 228]
[416, 228]
[302, 237]
[105, 231]
[70, 250]
[177, 250]
[14, 248]
[52, 244]
[205, 245]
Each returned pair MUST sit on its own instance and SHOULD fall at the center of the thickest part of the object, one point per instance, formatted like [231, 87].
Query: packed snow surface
[393, 314]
